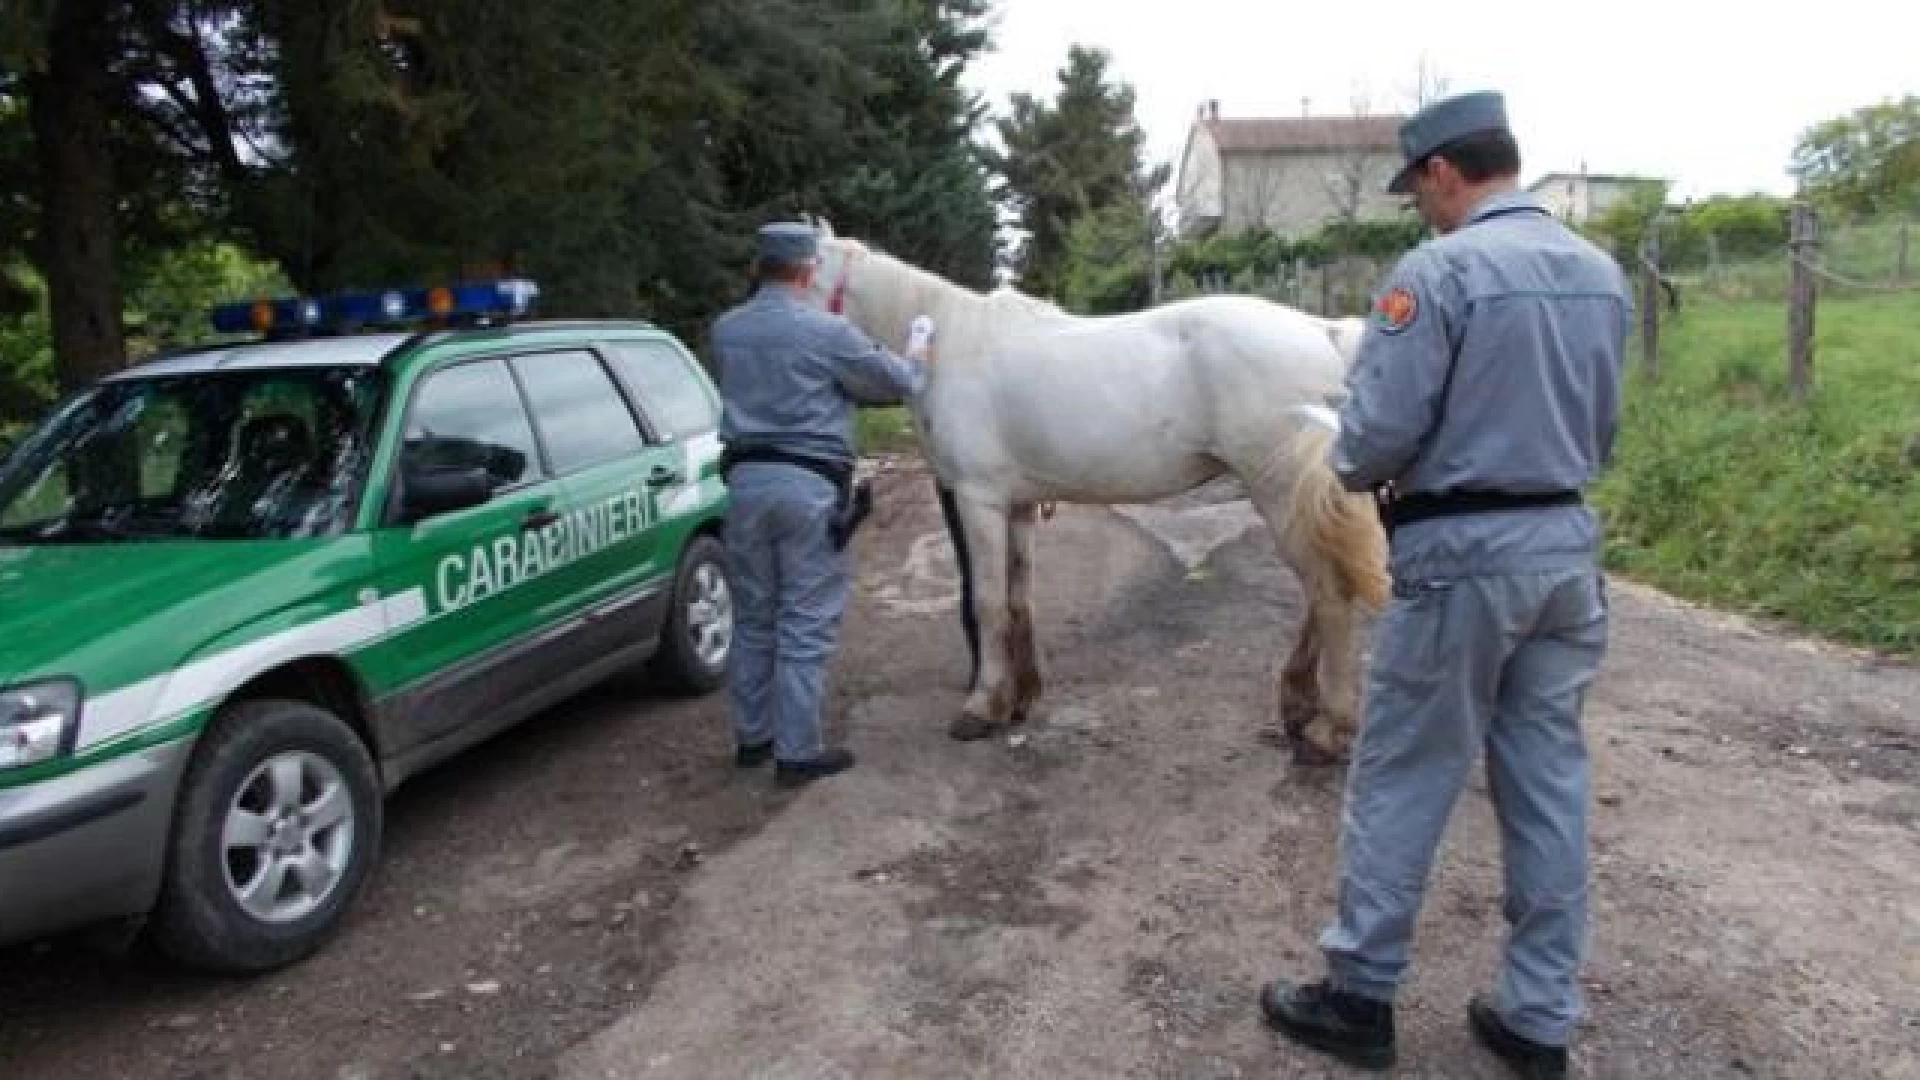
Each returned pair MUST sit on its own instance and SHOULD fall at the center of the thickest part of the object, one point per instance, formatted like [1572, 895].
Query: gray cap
[1445, 121]
[788, 242]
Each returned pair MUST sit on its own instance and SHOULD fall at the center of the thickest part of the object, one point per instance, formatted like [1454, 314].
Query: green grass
[884, 431]
[1726, 491]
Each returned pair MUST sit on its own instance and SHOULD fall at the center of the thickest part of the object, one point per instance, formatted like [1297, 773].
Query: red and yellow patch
[1395, 310]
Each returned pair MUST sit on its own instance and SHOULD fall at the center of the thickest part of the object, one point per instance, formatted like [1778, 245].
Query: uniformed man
[791, 375]
[1484, 400]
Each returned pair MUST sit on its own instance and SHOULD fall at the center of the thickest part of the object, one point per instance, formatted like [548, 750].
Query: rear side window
[470, 417]
[583, 420]
[672, 392]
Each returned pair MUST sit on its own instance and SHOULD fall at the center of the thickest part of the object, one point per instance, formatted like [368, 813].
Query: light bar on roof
[473, 301]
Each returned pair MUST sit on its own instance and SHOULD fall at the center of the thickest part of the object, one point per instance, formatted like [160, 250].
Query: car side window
[671, 391]
[582, 417]
[470, 416]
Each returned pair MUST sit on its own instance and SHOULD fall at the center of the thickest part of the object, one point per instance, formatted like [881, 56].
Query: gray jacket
[791, 376]
[1492, 361]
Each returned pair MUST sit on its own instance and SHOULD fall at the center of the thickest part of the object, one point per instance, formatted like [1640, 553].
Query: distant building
[1579, 197]
[1291, 174]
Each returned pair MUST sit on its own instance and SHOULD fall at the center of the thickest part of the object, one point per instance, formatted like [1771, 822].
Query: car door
[597, 448]
[469, 575]
[683, 411]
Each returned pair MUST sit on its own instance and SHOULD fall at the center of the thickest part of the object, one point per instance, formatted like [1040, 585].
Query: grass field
[884, 431]
[1727, 492]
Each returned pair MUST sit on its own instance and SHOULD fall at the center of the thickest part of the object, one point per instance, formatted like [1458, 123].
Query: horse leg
[1299, 693]
[1333, 677]
[1025, 657]
[990, 702]
[1316, 696]
[1333, 540]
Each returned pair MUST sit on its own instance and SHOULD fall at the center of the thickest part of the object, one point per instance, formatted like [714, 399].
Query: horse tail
[1341, 527]
[963, 563]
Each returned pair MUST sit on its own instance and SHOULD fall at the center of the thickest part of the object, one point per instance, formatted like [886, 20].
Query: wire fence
[1847, 257]
[1872, 255]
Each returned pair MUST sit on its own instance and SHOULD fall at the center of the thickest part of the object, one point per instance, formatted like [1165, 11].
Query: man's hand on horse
[920, 338]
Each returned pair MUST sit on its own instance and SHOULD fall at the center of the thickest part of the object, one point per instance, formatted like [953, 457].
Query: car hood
[109, 614]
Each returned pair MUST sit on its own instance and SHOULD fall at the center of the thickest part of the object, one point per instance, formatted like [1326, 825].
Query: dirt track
[600, 895]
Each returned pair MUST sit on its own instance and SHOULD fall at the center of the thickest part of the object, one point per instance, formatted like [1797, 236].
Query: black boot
[1354, 1029]
[753, 755]
[796, 773]
[1527, 1059]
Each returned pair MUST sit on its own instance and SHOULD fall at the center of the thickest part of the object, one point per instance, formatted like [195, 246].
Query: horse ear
[825, 227]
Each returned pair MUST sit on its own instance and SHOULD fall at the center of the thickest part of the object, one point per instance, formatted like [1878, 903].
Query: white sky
[1653, 87]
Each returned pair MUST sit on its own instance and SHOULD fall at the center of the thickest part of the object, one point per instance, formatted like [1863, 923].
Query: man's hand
[920, 339]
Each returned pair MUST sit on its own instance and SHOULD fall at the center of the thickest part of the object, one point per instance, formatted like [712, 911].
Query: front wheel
[698, 635]
[277, 830]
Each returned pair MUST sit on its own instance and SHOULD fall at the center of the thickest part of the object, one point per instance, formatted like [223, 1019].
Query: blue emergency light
[465, 302]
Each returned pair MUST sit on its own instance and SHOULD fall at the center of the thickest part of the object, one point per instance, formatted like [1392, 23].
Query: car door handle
[661, 476]
[540, 519]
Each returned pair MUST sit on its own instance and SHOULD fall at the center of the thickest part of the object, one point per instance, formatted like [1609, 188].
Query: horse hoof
[1308, 754]
[970, 729]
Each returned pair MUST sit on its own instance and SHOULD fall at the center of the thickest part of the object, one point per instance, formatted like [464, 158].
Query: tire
[201, 920]
[690, 658]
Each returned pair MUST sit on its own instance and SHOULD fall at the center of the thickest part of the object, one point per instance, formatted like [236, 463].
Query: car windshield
[231, 455]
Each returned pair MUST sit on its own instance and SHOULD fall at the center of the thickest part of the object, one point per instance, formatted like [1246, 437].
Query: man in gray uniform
[1484, 400]
[791, 376]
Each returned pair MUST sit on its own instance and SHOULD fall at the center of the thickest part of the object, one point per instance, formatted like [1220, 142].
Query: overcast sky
[1656, 87]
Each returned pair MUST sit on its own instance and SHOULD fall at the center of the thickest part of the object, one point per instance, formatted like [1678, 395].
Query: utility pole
[1149, 191]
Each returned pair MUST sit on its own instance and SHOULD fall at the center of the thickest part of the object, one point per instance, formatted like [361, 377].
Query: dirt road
[600, 895]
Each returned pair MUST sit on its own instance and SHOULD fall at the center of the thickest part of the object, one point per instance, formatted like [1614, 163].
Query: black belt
[835, 473]
[1421, 505]
[853, 501]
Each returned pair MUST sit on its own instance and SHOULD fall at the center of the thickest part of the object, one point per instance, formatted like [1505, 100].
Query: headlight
[38, 722]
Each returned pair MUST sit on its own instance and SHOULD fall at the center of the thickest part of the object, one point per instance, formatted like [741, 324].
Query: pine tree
[1066, 160]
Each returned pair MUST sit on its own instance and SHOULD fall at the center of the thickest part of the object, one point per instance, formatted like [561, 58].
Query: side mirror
[444, 491]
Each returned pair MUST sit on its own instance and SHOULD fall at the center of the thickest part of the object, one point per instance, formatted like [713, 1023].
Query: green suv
[248, 589]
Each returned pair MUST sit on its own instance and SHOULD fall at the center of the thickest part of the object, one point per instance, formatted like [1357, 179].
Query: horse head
[834, 286]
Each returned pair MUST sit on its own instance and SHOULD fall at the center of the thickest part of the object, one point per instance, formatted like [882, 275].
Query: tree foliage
[1865, 162]
[620, 151]
[1104, 270]
[1063, 160]
[1727, 227]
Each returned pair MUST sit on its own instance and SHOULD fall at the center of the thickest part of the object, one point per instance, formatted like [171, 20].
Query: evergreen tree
[1064, 160]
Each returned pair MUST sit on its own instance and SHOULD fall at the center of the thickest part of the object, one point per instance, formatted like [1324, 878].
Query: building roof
[1592, 177]
[1276, 134]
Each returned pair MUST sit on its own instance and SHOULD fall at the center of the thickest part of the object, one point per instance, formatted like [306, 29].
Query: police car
[247, 589]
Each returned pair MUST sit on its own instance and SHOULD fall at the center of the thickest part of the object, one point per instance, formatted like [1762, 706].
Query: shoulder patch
[1396, 310]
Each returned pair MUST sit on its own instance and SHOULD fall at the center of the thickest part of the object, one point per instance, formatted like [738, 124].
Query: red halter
[837, 302]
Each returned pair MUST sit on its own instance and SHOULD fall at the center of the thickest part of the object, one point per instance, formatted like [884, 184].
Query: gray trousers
[790, 589]
[1500, 665]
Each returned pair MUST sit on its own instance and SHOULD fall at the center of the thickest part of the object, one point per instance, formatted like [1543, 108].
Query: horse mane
[888, 292]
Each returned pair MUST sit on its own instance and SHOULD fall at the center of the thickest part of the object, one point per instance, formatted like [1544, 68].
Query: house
[1579, 197]
[1289, 174]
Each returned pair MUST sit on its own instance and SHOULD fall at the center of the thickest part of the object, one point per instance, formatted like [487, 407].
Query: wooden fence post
[1650, 298]
[1803, 244]
[1906, 239]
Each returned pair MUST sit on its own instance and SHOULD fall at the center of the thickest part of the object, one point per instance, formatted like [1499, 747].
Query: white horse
[1028, 405]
